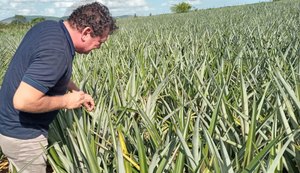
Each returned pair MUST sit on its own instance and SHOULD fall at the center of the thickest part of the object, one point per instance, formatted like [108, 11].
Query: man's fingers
[89, 106]
[89, 102]
[79, 99]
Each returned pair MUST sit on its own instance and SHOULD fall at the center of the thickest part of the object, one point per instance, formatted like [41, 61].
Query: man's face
[90, 43]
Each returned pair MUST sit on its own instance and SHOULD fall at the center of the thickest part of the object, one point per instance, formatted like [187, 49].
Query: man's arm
[72, 86]
[29, 99]
[89, 103]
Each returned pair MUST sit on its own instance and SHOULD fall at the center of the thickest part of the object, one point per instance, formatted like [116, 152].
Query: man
[35, 85]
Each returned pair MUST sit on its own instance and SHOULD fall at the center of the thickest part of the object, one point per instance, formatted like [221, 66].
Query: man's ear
[85, 33]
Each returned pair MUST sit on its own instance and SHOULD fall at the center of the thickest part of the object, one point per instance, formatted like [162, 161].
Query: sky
[59, 8]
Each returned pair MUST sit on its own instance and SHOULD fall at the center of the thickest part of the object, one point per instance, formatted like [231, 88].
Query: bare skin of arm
[89, 103]
[72, 86]
[29, 99]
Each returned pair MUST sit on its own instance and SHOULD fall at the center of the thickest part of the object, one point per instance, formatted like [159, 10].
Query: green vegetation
[25, 20]
[213, 90]
[19, 19]
[182, 7]
[37, 20]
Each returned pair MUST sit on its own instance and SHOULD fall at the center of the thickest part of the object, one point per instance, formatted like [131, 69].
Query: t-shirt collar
[68, 37]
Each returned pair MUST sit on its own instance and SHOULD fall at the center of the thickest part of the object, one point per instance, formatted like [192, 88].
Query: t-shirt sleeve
[45, 70]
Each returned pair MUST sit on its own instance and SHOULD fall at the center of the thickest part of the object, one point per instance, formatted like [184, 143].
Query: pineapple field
[215, 90]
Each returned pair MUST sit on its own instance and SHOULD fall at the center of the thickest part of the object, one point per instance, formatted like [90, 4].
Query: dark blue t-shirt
[44, 61]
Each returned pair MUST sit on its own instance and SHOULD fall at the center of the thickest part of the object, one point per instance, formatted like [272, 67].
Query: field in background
[213, 90]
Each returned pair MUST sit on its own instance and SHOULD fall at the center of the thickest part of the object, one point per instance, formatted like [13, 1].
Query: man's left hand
[89, 103]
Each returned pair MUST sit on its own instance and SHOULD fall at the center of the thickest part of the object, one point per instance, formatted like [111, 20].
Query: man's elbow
[19, 104]
[27, 98]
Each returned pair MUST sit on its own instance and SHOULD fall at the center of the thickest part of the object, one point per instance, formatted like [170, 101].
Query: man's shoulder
[46, 34]
[47, 23]
[47, 28]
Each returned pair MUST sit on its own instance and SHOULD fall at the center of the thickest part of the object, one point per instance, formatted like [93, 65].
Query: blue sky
[59, 8]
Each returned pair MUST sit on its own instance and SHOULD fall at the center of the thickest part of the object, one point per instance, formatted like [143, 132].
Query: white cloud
[195, 2]
[116, 7]
[122, 4]
[50, 11]
[13, 4]
[60, 8]
[172, 2]
[38, 1]
[63, 4]
[24, 11]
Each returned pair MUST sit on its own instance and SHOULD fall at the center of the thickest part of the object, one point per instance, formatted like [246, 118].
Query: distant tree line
[21, 20]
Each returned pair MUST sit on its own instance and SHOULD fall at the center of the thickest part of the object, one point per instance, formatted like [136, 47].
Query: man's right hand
[74, 99]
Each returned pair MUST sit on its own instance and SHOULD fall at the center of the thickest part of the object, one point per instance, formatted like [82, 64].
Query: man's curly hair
[95, 16]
